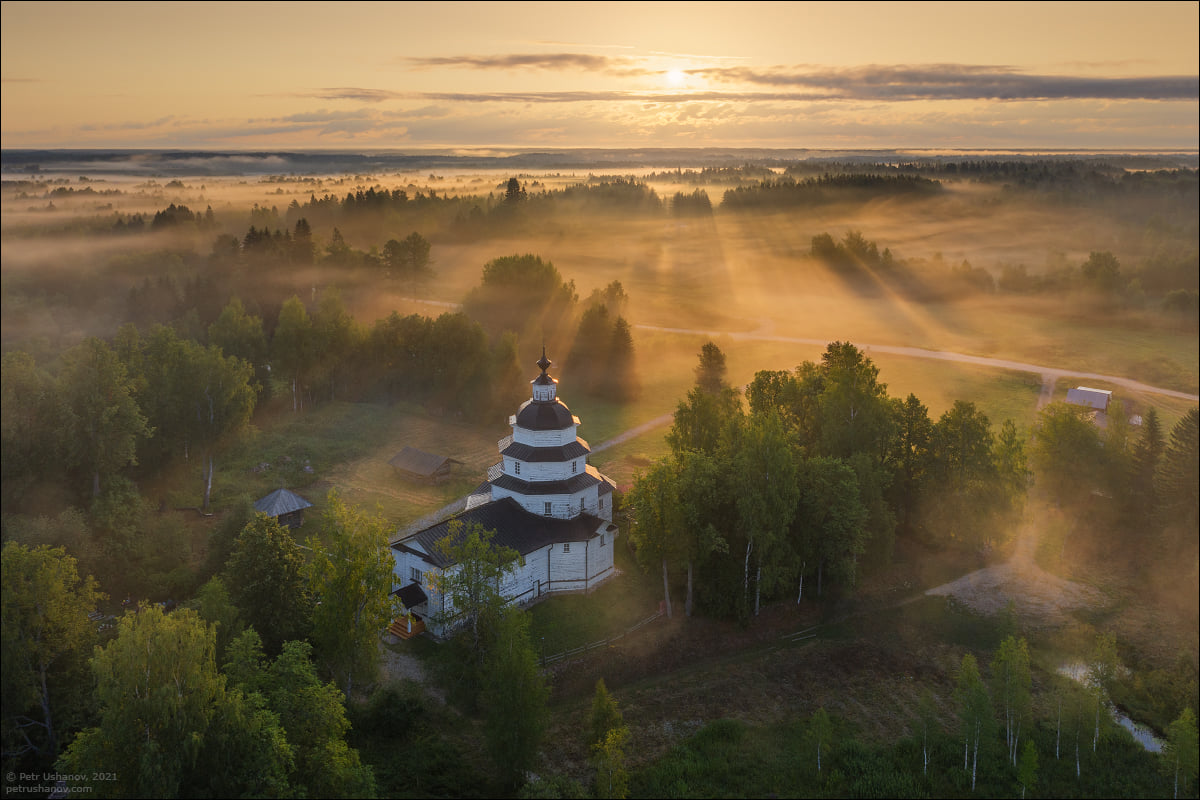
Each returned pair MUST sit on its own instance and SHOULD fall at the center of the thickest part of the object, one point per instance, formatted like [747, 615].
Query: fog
[67, 274]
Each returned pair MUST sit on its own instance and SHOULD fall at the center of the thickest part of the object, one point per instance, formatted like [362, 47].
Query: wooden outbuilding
[416, 465]
[287, 507]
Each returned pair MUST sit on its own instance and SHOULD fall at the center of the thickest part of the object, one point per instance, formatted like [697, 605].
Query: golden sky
[516, 75]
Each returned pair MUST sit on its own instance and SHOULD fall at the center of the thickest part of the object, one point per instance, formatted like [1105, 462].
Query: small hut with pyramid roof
[287, 507]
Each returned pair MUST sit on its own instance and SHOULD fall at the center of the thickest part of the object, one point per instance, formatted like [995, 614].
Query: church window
[415, 574]
[566, 547]
[601, 502]
[602, 540]
[574, 464]
[517, 467]
[547, 509]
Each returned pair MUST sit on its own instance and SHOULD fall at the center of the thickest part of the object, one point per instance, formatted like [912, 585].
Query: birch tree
[1012, 691]
[1180, 755]
[472, 583]
[820, 732]
[350, 576]
[767, 494]
[974, 713]
[1027, 769]
[1102, 670]
[653, 505]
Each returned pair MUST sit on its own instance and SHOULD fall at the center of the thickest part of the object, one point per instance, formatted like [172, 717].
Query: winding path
[1049, 375]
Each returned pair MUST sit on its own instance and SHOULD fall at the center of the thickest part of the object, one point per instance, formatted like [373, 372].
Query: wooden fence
[547, 660]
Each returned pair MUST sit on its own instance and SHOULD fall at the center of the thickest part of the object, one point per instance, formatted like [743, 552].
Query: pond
[1078, 672]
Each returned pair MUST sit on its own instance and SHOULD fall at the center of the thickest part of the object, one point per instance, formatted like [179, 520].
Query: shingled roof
[280, 502]
[514, 526]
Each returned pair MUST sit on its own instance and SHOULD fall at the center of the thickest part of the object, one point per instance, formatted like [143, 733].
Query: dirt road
[1049, 375]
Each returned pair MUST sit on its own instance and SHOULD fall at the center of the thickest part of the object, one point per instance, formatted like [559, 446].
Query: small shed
[1097, 399]
[287, 507]
[417, 465]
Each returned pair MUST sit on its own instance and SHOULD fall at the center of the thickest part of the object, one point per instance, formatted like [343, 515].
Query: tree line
[814, 476]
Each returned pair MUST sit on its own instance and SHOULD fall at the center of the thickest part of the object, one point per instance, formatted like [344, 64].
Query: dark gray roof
[566, 452]
[541, 416]
[514, 526]
[418, 462]
[280, 502]
[412, 595]
[570, 485]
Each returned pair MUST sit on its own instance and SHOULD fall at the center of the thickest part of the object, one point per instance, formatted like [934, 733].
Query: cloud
[550, 61]
[956, 82]
[354, 93]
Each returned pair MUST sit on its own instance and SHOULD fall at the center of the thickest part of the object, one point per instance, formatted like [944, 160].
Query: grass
[568, 621]
[347, 446]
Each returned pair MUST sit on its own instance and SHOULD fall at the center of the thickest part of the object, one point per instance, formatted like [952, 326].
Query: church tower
[543, 463]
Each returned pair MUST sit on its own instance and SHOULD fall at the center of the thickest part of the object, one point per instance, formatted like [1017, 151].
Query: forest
[825, 385]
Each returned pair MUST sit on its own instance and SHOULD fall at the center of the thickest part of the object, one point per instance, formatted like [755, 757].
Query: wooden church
[542, 499]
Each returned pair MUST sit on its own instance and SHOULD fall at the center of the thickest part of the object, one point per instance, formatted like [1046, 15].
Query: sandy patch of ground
[1034, 593]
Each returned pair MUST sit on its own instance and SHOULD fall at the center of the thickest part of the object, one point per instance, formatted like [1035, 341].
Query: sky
[507, 76]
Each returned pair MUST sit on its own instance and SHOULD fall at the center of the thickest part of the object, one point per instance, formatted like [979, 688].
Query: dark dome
[545, 417]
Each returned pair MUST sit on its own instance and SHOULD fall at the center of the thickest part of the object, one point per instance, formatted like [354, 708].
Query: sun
[676, 77]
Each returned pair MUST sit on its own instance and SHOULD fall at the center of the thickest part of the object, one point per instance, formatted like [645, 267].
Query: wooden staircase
[402, 630]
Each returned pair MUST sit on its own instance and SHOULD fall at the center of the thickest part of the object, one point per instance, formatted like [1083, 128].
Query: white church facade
[541, 499]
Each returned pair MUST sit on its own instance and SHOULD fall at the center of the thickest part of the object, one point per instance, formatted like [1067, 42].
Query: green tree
[928, 715]
[292, 346]
[1102, 272]
[1028, 768]
[1066, 452]
[911, 454]
[654, 534]
[513, 698]
[702, 418]
[524, 294]
[239, 334]
[1012, 691]
[223, 399]
[105, 423]
[164, 709]
[606, 715]
[829, 526]
[31, 423]
[1181, 753]
[312, 715]
[350, 576]
[819, 733]
[622, 381]
[767, 494]
[471, 583]
[1177, 481]
[1146, 456]
[855, 414]
[46, 635]
[711, 371]
[607, 740]
[407, 259]
[266, 577]
[1103, 667]
[336, 341]
[215, 605]
[612, 779]
[974, 713]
